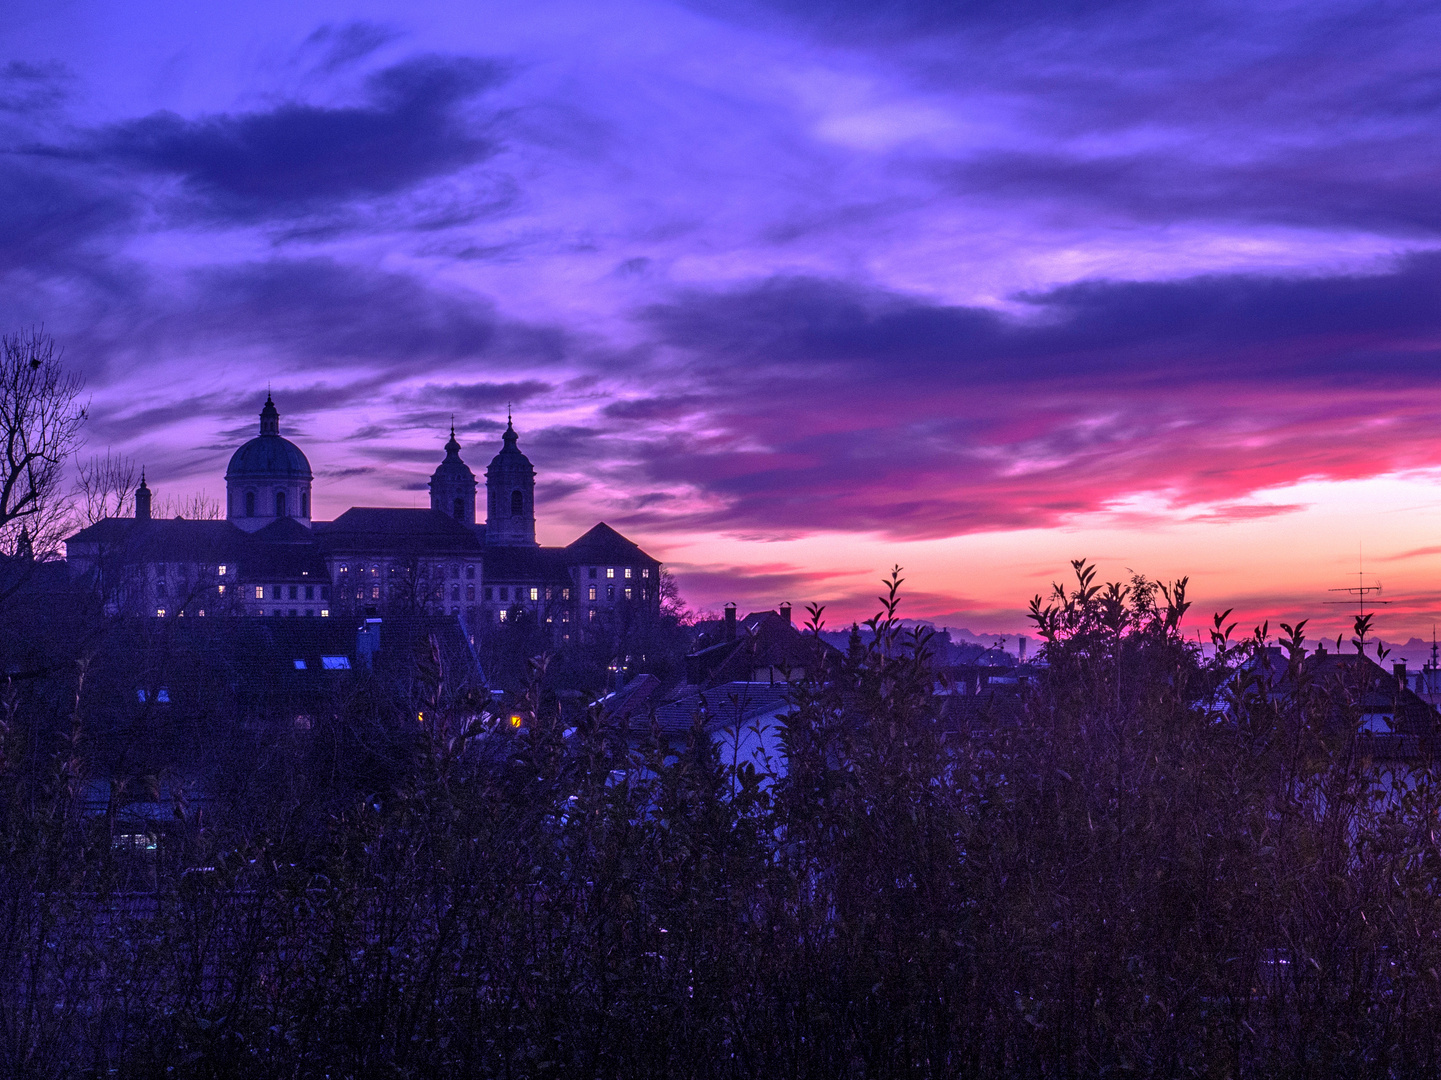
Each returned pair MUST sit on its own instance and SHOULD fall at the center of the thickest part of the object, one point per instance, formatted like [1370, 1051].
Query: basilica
[268, 557]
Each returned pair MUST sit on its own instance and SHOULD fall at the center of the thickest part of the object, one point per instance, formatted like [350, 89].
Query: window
[610, 573]
[565, 616]
[222, 590]
[375, 592]
[459, 512]
[325, 613]
[455, 592]
[592, 592]
[645, 571]
[610, 592]
[565, 594]
[280, 504]
[160, 613]
[627, 572]
[300, 665]
[505, 592]
[250, 504]
[517, 504]
[489, 592]
[335, 663]
[627, 594]
[374, 570]
[260, 592]
[310, 592]
[547, 592]
[305, 504]
[503, 614]
[592, 571]
[223, 568]
[275, 592]
[163, 695]
[470, 571]
[534, 593]
[293, 612]
[592, 614]
[310, 611]
[295, 592]
[454, 570]
[325, 592]
[470, 592]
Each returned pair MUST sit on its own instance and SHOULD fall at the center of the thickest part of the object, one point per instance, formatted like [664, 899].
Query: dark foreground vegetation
[1167, 868]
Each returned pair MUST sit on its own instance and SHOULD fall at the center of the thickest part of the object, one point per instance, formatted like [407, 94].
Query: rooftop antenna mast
[1360, 590]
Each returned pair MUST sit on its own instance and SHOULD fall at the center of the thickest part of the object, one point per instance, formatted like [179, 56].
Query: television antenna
[1360, 590]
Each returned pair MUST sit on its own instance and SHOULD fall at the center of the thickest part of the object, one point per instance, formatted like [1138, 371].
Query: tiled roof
[526, 564]
[388, 530]
[719, 707]
[604, 545]
[763, 640]
[170, 540]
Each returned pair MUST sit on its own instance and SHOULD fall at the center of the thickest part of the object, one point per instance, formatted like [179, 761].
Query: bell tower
[510, 495]
[452, 485]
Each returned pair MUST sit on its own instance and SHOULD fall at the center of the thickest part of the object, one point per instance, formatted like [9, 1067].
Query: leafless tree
[104, 487]
[196, 506]
[41, 415]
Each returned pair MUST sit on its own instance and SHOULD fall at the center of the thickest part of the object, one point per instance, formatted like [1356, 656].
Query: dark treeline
[1167, 868]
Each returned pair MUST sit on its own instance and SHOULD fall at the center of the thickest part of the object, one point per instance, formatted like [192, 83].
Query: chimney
[142, 500]
[367, 641]
[1021, 643]
[786, 613]
[730, 627]
[1400, 670]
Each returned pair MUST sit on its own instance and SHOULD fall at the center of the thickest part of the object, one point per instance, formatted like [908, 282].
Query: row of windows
[626, 572]
[282, 504]
[292, 592]
[324, 613]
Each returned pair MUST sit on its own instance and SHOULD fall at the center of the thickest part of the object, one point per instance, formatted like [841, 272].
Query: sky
[790, 292]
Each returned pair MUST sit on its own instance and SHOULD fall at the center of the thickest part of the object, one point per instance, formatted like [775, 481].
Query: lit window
[645, 571]
[565, 594]
[535, 594]
[223, 568]
[375, 592]
[592, 614]
[222, 590]
[610, 572]
[610, 592]
[627, 594]
[300, 665]
[627, 572]
[260, 592]
[565, 616]
[503, 614]
[303, 722]
[325, 613]
[592, 592]
[547, 592]
[141, 695]
[335, 663]
[134, 842]
[160, 613]
[163, 695]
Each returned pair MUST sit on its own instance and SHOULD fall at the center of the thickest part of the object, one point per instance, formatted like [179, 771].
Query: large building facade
[269, 558]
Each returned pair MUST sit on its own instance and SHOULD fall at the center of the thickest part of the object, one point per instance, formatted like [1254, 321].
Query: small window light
[325, 613]
[627, 571]
[335, 663]
[163, 695]
[645, 571]
[535, 594]
[141, 695]
[160, 613]
[300, 665]
[223, 569]
[222, 590]
[503, 614]
[610, 571]
[260, 592]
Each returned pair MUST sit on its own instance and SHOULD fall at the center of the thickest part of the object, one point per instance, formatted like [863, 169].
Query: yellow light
[420, 718]
[515, 719]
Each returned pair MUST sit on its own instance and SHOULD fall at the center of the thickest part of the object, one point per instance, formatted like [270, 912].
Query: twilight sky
[787, 291]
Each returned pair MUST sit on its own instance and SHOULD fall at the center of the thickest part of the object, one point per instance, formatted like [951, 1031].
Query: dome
[268, 456]
[452, 468]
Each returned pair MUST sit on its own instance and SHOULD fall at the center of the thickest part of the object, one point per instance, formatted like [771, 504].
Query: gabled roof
[395, 530]
[719, 707]
[285, 530]
[604, 545]
[505, 564]
[763, 640]
[169, 540]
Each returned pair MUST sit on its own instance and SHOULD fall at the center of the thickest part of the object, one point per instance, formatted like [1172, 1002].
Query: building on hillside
[269, 557]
